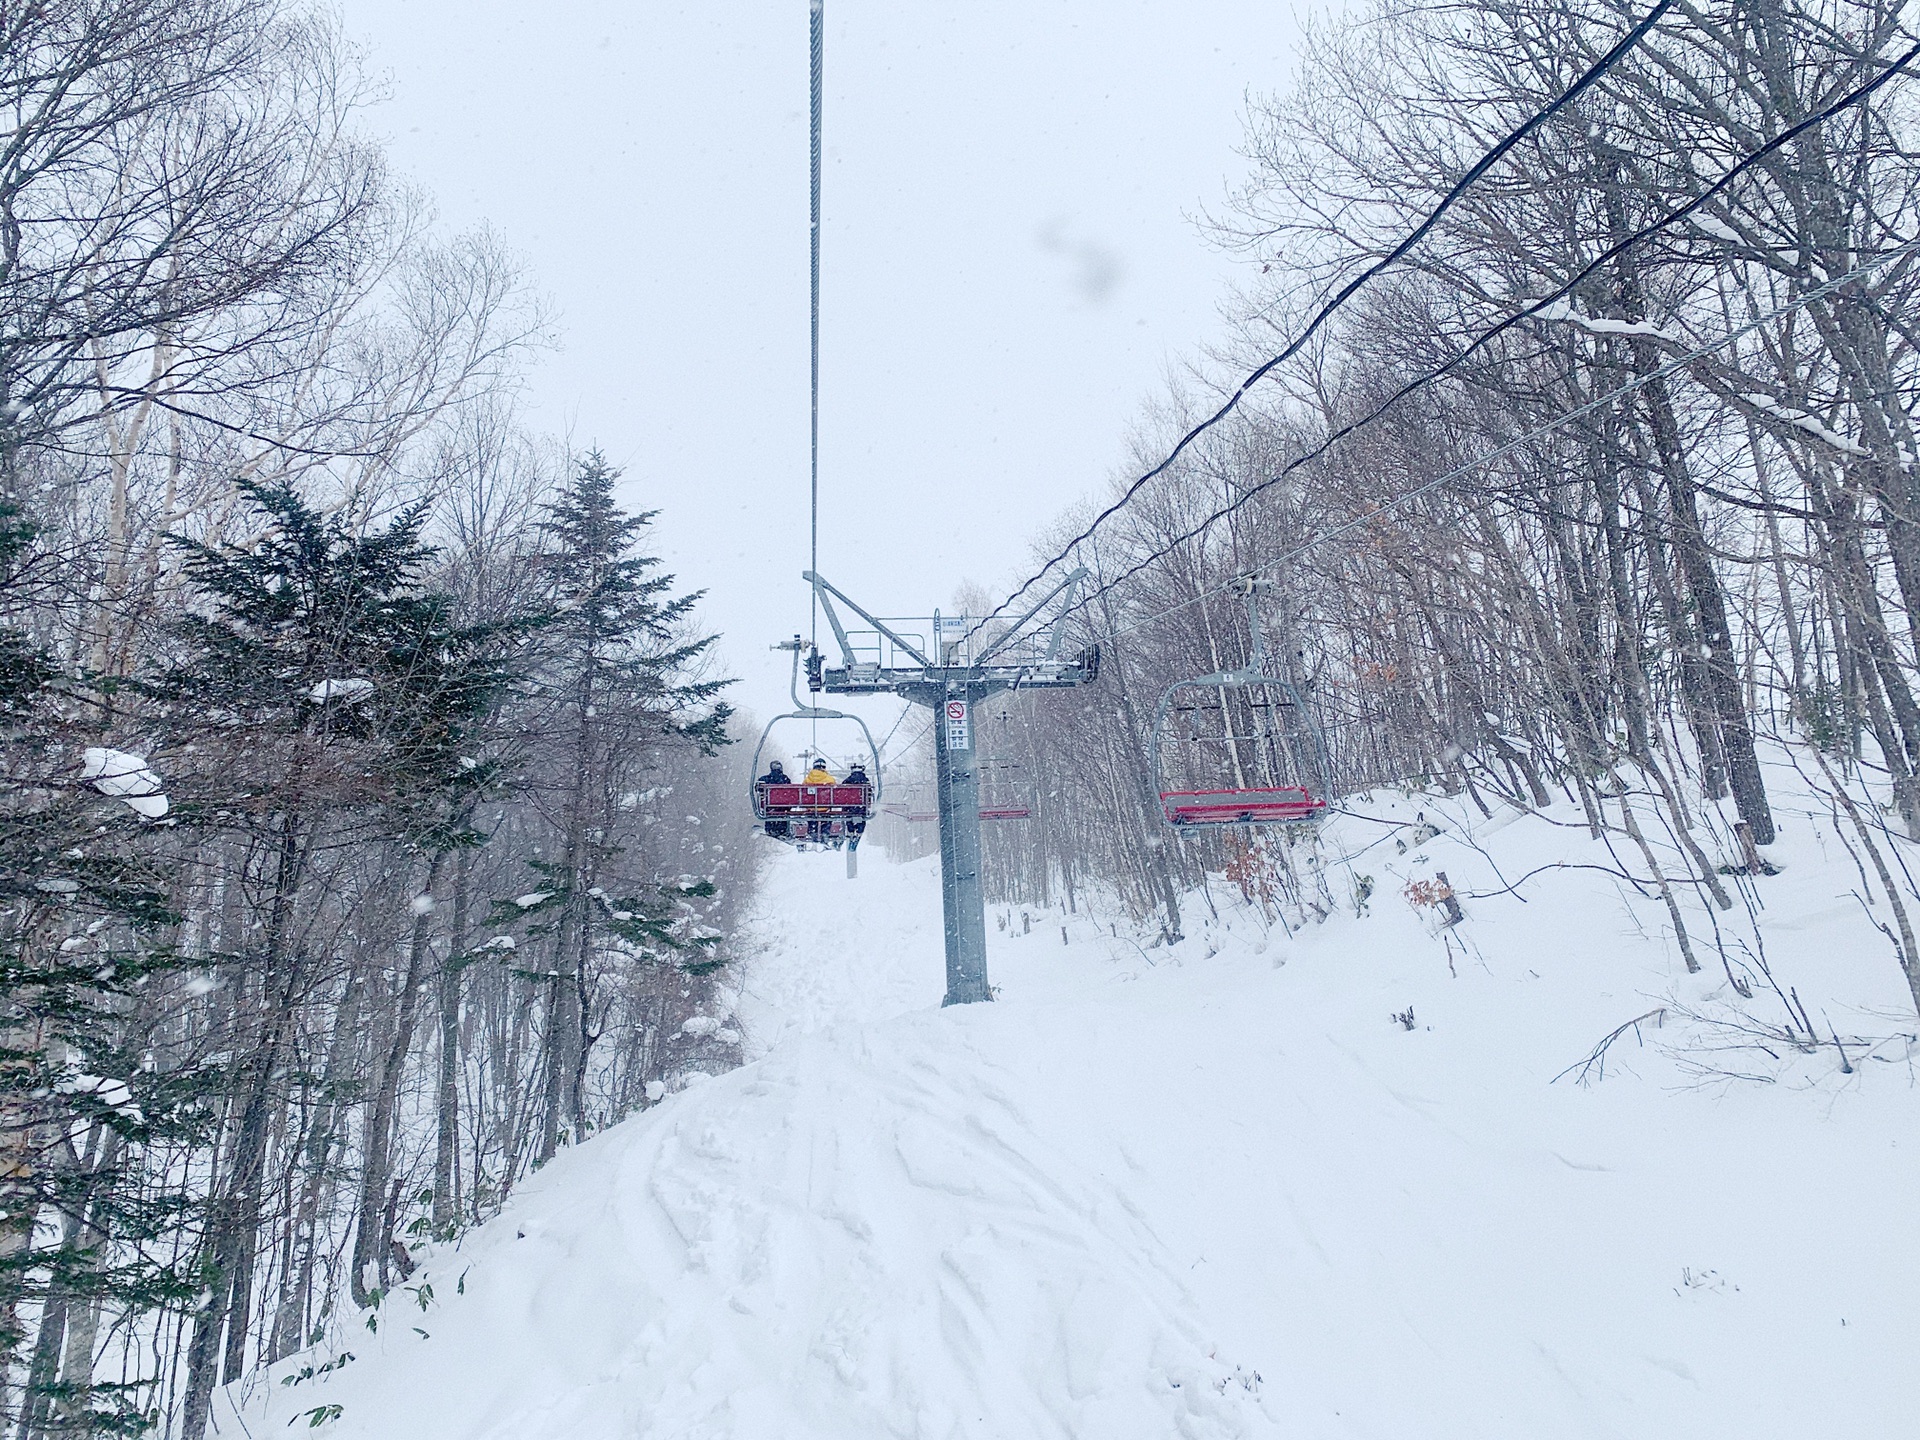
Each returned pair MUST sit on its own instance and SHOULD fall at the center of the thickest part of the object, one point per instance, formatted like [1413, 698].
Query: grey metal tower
[950, 664]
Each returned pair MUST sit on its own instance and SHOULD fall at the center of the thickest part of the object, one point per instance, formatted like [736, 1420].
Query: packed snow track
[1203, 1194]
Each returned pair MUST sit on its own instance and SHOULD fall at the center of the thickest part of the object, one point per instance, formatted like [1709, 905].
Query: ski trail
[862, 1234]
[828, 951]
[1109, 1205]
[918, 1244]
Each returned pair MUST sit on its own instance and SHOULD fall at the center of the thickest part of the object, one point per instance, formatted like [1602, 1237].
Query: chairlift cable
[887, 739]
[1818, 292]
[823, 812]
[1326, 312]
[816, 26]
[1419, 382]
[918, 737]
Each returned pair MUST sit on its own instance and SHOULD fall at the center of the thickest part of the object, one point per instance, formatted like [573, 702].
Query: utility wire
[1326, 312]
[1819, 292]
[1486, 337]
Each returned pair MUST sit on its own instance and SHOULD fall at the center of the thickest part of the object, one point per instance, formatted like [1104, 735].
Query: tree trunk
[372, 1243]
[233, 1221]
[446, 1152]
[1710, 603]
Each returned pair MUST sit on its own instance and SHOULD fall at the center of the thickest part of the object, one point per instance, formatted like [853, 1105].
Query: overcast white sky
[1010, 261]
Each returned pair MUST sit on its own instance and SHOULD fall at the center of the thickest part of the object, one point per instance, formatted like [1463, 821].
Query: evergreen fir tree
[619, 698]
[84, 924]
[339, 700]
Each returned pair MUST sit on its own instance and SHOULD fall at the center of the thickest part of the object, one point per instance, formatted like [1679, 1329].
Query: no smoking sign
[959, 731]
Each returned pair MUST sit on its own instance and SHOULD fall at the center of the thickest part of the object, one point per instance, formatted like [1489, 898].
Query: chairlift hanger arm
[824, 588]
[833, 619]
[801, 709]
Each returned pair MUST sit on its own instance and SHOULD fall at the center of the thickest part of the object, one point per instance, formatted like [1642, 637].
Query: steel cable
[1673, 366]
[816, 28]
[1459, 188]
[1486, 337]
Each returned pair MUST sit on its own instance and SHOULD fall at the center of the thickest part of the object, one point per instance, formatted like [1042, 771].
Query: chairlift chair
[1014, 809]
[814, 816]
[1004, 808]
[1005, 794]
[1268, 743]
[1005, 791]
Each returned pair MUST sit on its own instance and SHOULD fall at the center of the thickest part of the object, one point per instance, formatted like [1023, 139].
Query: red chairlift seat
[821, 814]
[1278, 805]
[987, 812]
[780, 802]
[1281, 744]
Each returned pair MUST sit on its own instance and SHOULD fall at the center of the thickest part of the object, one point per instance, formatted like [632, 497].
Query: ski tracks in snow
[875, 1242]
[879, 1230]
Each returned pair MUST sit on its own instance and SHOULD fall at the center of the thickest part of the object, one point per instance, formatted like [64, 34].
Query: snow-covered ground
[1217, 1190]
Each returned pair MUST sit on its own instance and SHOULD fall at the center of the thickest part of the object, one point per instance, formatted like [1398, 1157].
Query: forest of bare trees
[363, 838]
[365, 831]
[1616, 552]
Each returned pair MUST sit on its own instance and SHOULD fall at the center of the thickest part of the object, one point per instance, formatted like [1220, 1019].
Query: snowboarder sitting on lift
[819, 774]
[777, 775]
[856, 776]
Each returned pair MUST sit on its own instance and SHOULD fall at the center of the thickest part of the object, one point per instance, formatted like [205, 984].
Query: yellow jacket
[819, 775]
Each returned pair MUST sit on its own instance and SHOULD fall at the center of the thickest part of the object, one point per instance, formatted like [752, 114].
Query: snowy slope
[1217, 1191]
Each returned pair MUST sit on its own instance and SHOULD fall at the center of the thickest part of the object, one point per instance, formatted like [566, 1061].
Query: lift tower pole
[949, 664]
[963, 902]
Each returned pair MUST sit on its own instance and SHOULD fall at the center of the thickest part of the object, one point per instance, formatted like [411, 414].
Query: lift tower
[950, 664]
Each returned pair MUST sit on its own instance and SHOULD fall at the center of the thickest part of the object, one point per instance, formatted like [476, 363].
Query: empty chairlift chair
[1238, 747]
[1005, 791]
[1005, 794]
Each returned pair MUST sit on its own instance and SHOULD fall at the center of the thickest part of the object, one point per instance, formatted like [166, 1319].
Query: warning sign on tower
[959, 732]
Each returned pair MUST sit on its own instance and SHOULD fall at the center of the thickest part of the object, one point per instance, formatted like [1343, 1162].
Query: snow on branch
[111, 1093]
[1806, 424]
[1600, 325]
[350, 689]
[125, 778]
[1716, 227]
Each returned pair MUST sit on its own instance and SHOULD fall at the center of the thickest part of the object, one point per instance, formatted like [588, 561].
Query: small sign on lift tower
[959, 731]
